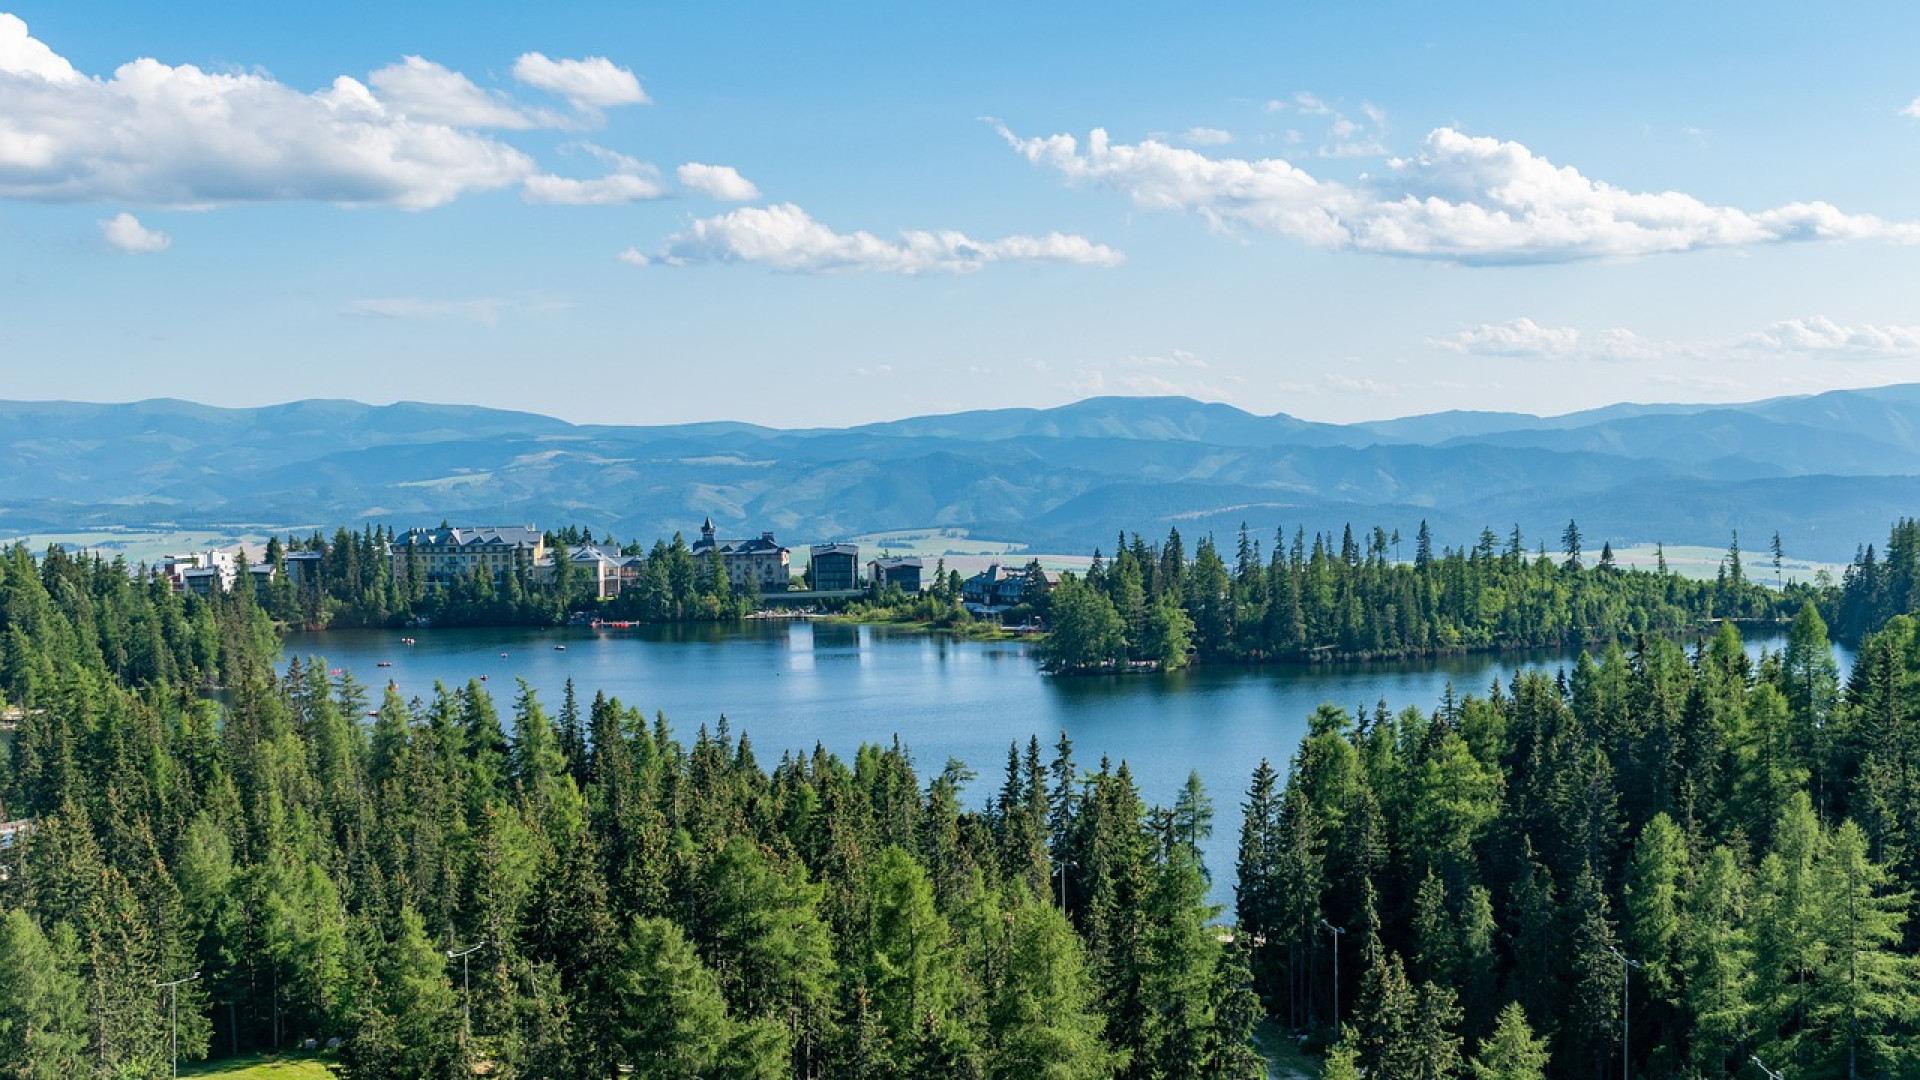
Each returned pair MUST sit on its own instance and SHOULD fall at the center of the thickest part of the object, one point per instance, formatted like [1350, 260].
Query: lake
[790, 684]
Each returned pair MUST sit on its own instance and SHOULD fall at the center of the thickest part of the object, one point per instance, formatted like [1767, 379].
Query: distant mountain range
[1828, 472]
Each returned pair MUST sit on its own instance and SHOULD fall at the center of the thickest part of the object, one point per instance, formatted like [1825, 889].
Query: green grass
[263, 1067]
[1285, 1059]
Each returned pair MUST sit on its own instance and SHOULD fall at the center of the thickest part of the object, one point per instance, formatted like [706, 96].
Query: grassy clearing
[263, 1067]
[1285, 1059]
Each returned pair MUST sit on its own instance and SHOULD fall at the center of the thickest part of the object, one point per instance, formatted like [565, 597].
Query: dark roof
[479, 535]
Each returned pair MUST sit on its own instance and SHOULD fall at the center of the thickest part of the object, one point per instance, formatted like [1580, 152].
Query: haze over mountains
[1829, 472]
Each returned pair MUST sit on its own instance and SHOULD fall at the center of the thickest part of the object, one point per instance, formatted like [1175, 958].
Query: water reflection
[791, 684]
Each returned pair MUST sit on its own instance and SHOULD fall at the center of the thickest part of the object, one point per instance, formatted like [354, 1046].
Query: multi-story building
[834, 567]
[996, 587]
[759, 566]
[202, 573]
[604, 567]
[445, 554]
[901, 570]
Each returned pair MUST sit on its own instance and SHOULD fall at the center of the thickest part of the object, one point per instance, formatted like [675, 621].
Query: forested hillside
[1743, 835]
[642, 902]
[1825, 470]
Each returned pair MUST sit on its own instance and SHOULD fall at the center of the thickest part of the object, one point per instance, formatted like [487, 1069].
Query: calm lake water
[791, 684]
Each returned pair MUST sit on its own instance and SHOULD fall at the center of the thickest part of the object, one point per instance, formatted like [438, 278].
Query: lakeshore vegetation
[641, 902]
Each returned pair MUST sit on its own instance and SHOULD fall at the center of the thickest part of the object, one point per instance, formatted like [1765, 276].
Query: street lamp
[466, 990]
[1771, 1075]
[1626, 967]
[1336, 931]
[1060, 871]
[173, 1017]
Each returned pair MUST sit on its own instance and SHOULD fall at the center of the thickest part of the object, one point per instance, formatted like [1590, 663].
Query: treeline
[1355, 598]
[356, 584]
[636, 905]
[1745, 835]
[1876, 588]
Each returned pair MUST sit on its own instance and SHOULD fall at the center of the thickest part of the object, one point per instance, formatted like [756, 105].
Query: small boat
[559, 648]
[503, 656]
[483, 678]
[384, 663]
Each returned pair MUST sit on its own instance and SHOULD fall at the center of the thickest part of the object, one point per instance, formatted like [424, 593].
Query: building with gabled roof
[448, 553]
[902, 571]
[997, 588]
[759, 565]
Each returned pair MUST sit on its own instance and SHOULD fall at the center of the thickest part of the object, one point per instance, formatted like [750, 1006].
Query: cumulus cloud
[620, 187]
[721, 182]
[20, 54]
[1819, 334]
[123, 232]
[1912, 109]
[627, 180]
[1524, 339]
[426, 91]
[1462, 199]
[785, 237]
[590, 84]
[1206, 136]
[411, 136]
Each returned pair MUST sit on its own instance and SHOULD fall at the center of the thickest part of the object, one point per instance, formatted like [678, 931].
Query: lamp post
[173, 1018]
[1060, 871]
[1336, 931]
[1626, 968]
[1771, 1075]
[466, 990]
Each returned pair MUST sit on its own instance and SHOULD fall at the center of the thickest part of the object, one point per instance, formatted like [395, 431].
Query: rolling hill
[1828, 472]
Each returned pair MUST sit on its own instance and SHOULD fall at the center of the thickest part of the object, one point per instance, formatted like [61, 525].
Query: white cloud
[1349, 384]
[1524, 339]
[1461, 199]
[1206, 136]
[1311, 105]
[423, 90]
[621, 187]
[785, 237]
[634, 257]
[484, 311]
[590, 84]
[124, 232]
[1179, 358]
[179, 136]
[1796, 340]
[1176, 374]
[717, 182]
[1820, 334]
[20, 54]
[1912, 109]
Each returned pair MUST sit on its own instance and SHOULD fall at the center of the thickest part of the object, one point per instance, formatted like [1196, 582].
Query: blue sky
[833, 213]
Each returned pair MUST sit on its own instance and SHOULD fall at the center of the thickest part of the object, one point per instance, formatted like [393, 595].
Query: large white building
[446, 554]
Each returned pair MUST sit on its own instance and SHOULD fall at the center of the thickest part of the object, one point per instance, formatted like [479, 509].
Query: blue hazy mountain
[1827, 472]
